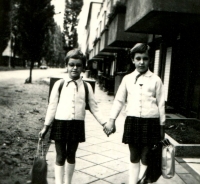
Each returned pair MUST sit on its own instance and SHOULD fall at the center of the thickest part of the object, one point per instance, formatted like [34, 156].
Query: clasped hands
[109, 127]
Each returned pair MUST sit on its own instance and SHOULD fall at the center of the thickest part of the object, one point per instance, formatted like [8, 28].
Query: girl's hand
[162, 132]
[109, 127]
[43, 132]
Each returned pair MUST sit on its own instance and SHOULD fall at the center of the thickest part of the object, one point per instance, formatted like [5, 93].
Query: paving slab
[81, 153]
[82, 178]
[188, 178]
[99, 171]
[83, 164]
[175, 180]
[116, 165]
[194, 163]
[100, 182]
[97, 158]
[94, 140]
[95, 149]
[118, 178]
[113, 154]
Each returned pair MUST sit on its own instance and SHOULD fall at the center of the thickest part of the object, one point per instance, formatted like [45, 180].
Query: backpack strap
[87, 107]
[60, 88]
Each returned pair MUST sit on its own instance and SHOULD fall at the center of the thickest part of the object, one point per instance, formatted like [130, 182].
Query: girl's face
[74, 68]
[141, 61]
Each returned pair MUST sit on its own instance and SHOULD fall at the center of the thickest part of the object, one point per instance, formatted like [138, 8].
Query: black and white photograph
[99, 92]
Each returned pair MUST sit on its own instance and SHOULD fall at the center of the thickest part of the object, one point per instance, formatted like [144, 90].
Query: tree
[5, 10]
[72, 10]
[53, 47]
[14, 32]
[35, 19]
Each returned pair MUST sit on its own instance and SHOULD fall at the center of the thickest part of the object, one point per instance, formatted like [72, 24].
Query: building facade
[170, 28]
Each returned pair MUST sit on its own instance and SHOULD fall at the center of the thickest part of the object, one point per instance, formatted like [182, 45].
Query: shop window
[112, 68]
[157, 62]
[167, 71]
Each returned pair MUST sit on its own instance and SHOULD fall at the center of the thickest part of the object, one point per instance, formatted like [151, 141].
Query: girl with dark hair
[144, 124]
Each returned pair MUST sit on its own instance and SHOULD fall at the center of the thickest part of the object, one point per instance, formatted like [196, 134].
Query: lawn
[184, 131]
[23, 109]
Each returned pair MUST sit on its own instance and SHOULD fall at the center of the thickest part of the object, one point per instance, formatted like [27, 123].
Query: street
[19, 76]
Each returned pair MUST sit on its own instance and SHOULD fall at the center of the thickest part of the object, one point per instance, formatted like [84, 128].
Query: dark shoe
[143, 180]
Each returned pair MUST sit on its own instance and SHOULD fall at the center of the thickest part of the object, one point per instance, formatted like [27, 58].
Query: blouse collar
[78, 81]
[147, 74]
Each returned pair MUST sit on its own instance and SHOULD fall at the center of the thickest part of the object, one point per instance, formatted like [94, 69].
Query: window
[167, 71]
[156, 62]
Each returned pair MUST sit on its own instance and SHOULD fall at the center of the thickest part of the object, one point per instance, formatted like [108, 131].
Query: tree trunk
[31, 68]
[29, 79]
[14, 54]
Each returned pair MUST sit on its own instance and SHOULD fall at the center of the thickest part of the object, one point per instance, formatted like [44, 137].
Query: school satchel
[38, 173]
[168, 159]
[153, 171]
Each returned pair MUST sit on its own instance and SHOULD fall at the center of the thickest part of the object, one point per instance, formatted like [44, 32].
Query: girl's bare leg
[134, 169]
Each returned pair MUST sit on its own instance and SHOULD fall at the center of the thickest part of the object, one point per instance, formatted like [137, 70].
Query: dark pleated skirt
[141, 131]
[73, 130]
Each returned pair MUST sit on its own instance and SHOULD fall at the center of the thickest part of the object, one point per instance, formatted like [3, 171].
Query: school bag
[38, 172]
[53, 80]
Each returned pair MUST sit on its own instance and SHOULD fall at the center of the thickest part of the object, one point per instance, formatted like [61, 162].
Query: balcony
[117, 37]
[104, 40]
[96, 46]
[91, 54]
[97, 52]
[104, 43]
[159, 17]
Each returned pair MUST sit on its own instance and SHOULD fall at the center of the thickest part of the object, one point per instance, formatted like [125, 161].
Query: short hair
[75, 54]
[140, 48]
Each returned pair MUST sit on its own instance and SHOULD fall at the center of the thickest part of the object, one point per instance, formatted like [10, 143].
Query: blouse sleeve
[52, 106]
[160, 97]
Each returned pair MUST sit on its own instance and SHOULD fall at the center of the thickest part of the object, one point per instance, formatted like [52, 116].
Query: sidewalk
[105, 160]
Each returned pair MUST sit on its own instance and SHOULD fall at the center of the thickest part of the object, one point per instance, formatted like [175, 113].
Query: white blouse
[71, 104]
[145, 98]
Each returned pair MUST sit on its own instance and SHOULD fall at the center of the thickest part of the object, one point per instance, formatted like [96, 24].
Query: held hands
[43, 132]
[109, 127]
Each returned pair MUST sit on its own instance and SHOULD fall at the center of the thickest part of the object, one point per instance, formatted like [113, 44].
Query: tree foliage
[5, 10]
[35, 19]
[72, 10]
[53, 48]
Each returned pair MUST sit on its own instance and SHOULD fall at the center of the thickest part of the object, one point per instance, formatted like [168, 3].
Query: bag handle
[166, 142]
[40, 142]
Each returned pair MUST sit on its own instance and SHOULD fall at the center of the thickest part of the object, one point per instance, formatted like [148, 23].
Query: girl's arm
[94, 109]
[162, 131]
[119, 102]
[110, 127]
[160, 96]
[51, 110]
